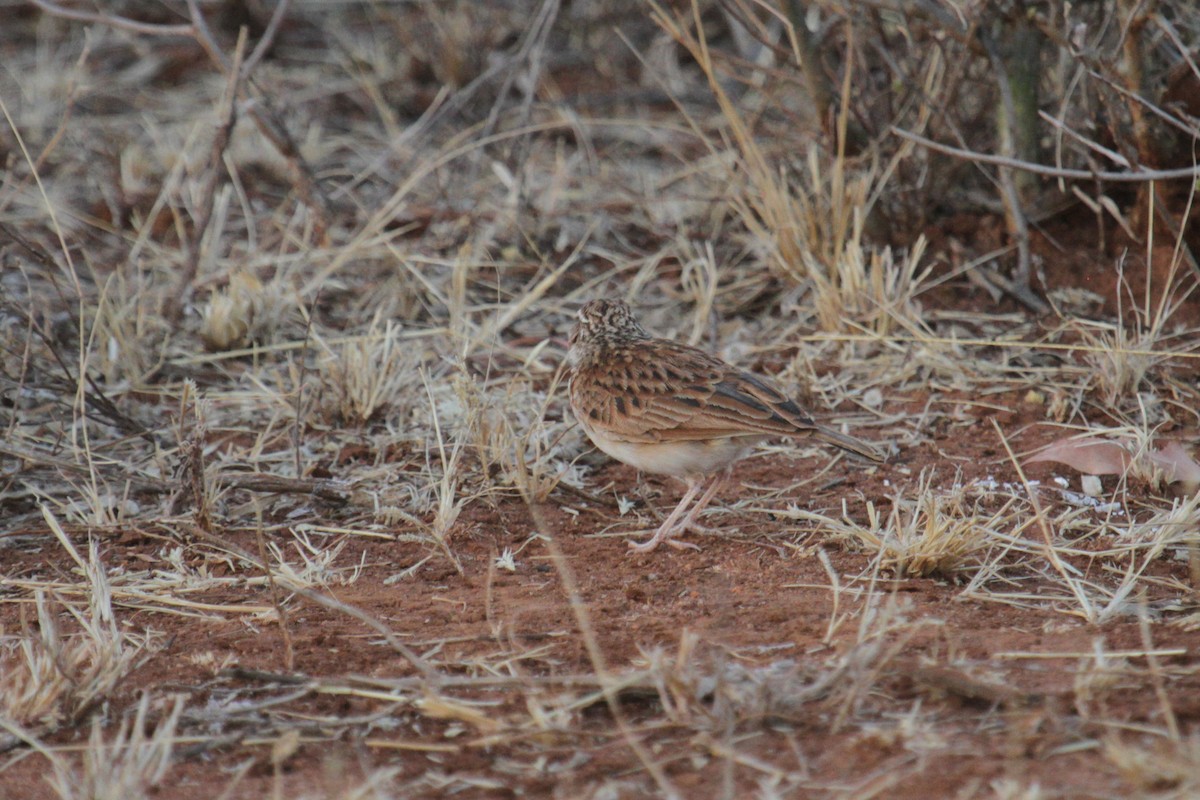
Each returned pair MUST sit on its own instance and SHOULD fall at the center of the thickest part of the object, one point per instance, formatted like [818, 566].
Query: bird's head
[602, 324]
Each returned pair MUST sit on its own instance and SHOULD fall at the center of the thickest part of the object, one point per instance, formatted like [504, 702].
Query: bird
[669, 408]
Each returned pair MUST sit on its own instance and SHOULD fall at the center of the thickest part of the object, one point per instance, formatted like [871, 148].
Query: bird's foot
[668, 537]
[678, 545]
[662, 537]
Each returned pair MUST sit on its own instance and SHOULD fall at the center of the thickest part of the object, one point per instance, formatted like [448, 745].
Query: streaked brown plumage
[666, 407]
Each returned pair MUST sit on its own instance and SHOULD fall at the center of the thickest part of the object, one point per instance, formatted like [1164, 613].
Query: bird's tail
[849, 444]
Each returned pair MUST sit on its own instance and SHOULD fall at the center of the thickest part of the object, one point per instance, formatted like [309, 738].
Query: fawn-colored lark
[666, 407]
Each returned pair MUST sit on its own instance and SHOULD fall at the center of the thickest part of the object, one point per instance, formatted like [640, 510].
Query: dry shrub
[508, 426]
[933, 533]
[127, 333]
[1164, 767]
[811, 227]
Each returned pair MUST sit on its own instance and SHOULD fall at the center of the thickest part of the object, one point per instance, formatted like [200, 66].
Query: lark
[669, 408]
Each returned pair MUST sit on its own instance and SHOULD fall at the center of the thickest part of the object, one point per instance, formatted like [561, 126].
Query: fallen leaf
[1089, 455]
[1093, 456]
[1177, 465]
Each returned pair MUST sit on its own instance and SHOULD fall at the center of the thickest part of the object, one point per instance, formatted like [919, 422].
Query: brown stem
[208, 189]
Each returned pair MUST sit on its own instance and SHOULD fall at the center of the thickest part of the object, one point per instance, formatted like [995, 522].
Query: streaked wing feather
[682, 394]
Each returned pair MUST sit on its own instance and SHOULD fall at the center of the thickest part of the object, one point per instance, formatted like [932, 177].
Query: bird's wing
[662, 391]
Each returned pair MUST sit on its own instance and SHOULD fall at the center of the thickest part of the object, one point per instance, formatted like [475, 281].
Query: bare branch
[124, 23]
[1136, 176]
[268, 37]
[203, 217]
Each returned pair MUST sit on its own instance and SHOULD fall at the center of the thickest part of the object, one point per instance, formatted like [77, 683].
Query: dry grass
[810, 227]
[384, 277]
[365, 376]
[1166, 769]
[932, 533]
[50, 679]
[129, 764]
[1123, 354]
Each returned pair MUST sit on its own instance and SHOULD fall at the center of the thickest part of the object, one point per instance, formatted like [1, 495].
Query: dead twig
[263, 111]
[112, 21]
[1134, 176]
[1010, 194]
[289, 652]
[328, 490]
[207, 195]
[105, 410]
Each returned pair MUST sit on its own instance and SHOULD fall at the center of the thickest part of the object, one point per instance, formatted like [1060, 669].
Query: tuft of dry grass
[367, 375]
[126, 766]
[127, 332]
[51, 678]
[510, 433]
[810, 228]
[242, 313]
[930, 532]
[1124, 354]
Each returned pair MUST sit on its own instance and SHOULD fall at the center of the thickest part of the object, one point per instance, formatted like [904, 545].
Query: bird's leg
[688, 523]
[668, 527]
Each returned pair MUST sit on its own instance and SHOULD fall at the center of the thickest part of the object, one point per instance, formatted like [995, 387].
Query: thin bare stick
[607, 684]
[1039, 514]
[296, 410]
[327, 490]
[1136, 176]
[264, 114]
[102, 406]
[205, 37]
[289, 653]
[1182, 50]
[1094, 146]
[1010, 130]
[529, 52]
[267, 39]
[1156, 671]
[208, 188]
[124, 23]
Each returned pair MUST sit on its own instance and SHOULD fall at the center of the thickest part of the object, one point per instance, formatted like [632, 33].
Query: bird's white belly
[679, 459]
